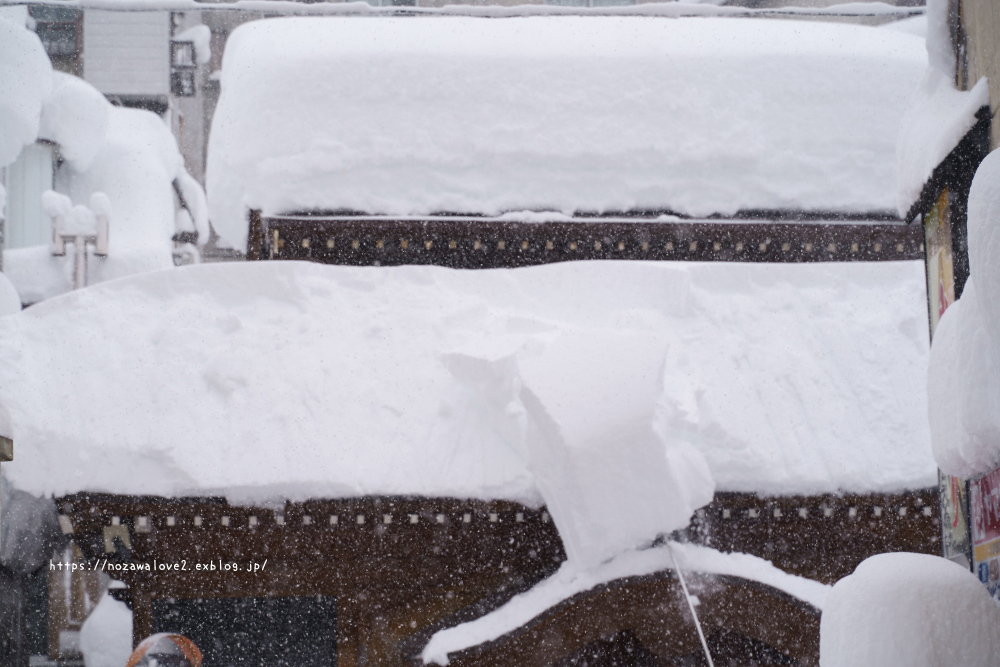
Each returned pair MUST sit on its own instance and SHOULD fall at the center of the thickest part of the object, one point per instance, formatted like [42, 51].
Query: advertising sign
[954, 520]
[984, 501]
[940, 263]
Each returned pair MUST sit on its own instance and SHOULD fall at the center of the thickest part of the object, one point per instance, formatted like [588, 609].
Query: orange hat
[179, 643]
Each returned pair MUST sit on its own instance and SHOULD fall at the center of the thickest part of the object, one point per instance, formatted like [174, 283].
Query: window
[29, 176]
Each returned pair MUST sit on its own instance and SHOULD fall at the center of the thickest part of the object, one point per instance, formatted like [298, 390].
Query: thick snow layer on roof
[571, 580]
[909, 610]
[422, 115]
[940, 114]
[25, 78]
[939, 117]
[964, 372]
[296, 380]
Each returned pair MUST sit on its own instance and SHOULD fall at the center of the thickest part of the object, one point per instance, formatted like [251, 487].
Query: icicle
[694, 614]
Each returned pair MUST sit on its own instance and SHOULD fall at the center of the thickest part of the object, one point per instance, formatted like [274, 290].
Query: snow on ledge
[569, 581]
[938, 119]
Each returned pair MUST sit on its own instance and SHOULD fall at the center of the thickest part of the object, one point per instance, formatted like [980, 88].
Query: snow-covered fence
[79, 226]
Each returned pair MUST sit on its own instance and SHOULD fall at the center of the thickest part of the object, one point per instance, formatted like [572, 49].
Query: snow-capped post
[80, 226]
[6, 443]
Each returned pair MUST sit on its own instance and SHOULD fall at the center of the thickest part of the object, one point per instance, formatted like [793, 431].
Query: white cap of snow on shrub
[909, 610]
[106, 635]
[984, 244]
[25, 79]
[963, 383]
[75, 116]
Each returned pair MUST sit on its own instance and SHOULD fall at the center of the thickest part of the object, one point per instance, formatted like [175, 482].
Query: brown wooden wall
[402, 568]
[478, 244]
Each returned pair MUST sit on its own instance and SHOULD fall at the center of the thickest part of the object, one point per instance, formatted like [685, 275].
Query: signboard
[984, 501]
[954, 520]
[940, 263]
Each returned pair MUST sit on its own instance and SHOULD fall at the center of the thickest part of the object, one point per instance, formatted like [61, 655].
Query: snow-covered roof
[296, 380]
[417, 115]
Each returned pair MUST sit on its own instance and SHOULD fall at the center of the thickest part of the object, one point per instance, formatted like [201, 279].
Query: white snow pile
[914, 25]
[940, 114]
[909, 610]
[571, 580]
[201, 37]
[699, 116]
[296, 380]
[131, 156]
[25, 79]
[964, 372]
[106, 635]
[10, 300]
[6, 429]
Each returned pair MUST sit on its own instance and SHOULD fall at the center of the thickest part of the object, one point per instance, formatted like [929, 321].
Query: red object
[985, 501]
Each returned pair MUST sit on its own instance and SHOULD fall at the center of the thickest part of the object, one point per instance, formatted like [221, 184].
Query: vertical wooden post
[6, 445]
[142, 616]
[352, 630]
[255, 237]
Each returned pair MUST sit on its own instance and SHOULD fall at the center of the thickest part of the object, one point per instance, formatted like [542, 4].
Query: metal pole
[80, 262]
[694, 614]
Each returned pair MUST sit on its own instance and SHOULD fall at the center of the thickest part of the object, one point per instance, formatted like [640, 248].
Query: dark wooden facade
[387, 573]
[476, 243]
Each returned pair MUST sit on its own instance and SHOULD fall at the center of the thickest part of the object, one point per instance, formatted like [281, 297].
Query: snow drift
[422, 115]
[909, 610]
[296, 380]
[963, 380]
[25, 79]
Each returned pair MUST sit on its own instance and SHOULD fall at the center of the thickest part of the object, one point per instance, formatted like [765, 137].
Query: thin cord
[694, 614]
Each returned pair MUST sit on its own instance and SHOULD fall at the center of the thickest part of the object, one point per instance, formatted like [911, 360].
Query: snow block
[909, 610]
[607, 471]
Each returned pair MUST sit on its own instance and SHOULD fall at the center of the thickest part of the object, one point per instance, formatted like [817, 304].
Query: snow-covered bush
[106, 635]
[909, 610]
[963, 378]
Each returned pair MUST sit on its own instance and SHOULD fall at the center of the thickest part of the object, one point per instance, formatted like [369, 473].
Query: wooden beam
[483, 243]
